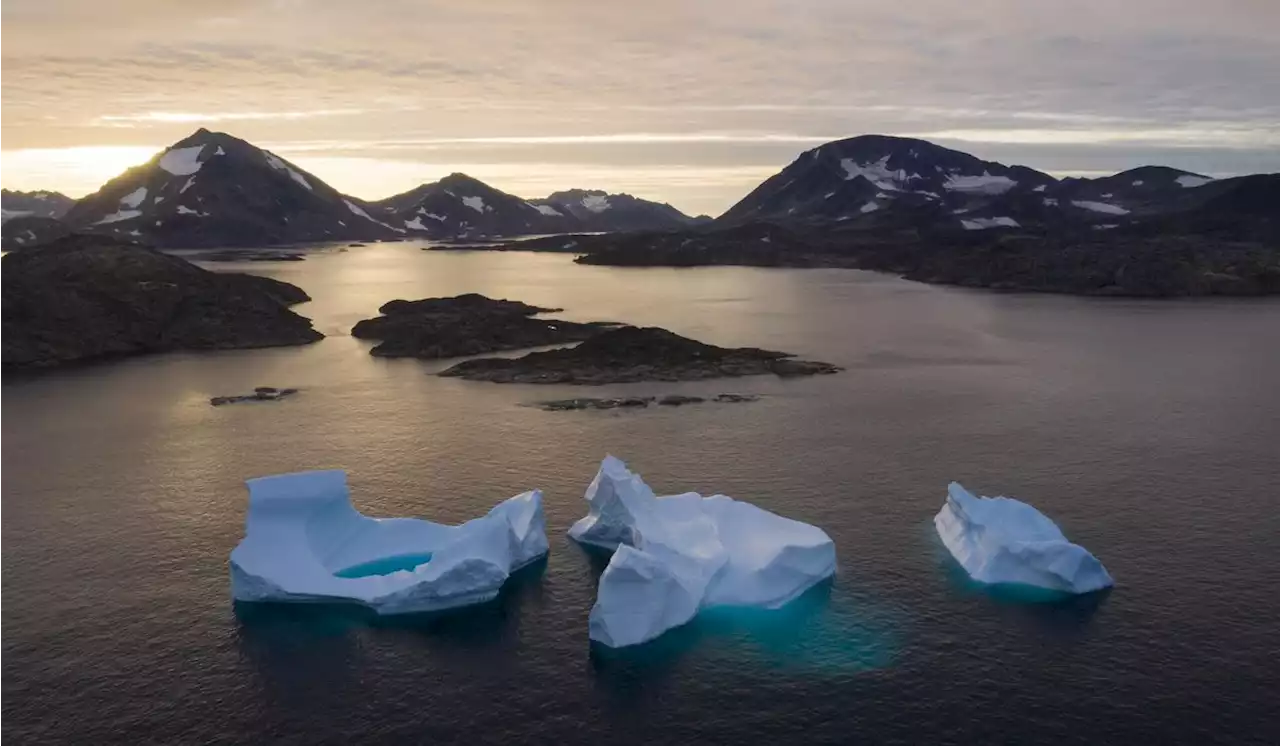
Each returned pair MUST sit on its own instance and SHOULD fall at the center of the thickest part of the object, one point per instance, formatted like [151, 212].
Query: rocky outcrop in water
[86, 298]
[470, 324]
[633, 402]
[629, 354]
[261, 393]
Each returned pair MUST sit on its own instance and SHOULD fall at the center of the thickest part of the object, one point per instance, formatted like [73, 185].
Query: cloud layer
[650, 98]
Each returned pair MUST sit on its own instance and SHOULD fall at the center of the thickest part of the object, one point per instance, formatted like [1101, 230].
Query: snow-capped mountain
[597, 210]
[459, 206]
[40, 203]
[31, 230]
[212, 189]
[875, 180]
[859, 176]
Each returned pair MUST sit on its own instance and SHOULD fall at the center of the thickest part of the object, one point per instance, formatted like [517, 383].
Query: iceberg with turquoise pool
[676, 554]
[305, 542]
[1003, 541]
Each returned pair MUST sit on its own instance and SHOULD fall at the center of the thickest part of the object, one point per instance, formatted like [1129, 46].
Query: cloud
[437, 82]
[187, 117]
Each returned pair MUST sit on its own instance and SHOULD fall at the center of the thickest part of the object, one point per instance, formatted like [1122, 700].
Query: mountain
[878, 180]
[1242, 208]
[461, 207]
[41, 204]
[212, 189]
[86, 297]
[848, 179]
[30, 230]
[598, 211]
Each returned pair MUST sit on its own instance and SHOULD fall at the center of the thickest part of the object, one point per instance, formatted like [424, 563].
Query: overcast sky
[682, 101]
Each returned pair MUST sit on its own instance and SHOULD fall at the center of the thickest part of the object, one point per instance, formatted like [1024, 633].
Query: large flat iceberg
[304, 542]
[999, 540]
[677, 554]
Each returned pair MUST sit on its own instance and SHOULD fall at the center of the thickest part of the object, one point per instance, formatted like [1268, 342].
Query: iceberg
[677, 554]
[305, 542]
[999, 540]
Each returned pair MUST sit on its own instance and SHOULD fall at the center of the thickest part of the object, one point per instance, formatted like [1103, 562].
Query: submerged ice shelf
[678, 554]
[304, 542]
[1002, 541]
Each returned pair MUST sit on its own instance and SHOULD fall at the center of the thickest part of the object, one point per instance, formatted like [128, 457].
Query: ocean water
[1150, 430]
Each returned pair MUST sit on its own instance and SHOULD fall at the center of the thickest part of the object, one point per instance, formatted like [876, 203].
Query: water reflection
[1049, 610]
[824, 629]
[296, 647]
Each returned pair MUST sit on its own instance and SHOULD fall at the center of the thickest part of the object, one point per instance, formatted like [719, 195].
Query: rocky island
[469, 324]
[84, 298]
[629, 354]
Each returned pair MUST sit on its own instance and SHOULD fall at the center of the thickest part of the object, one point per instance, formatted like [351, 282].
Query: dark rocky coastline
[87, 298]
[1135, 261]
[470, 324]
[261, 393]
[629, 354]
[639, 402]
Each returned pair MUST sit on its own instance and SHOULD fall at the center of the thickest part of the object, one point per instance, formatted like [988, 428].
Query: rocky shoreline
[640, 402]
[87, 298]
[261, 393]
[631, 354]
[1157, 259]
[463, 325]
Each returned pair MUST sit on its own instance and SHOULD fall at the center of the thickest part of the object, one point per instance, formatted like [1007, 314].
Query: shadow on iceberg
[826, 631]
[318, 620]
[678, 555]
[310, 656]
[305, 543]
[1051, 607]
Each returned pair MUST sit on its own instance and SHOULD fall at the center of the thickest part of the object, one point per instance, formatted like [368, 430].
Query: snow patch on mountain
[877, 173]
[275, 162]
[869, 207]
[184, 210]
[119, 215]
[190, 183]
[182, 161]
[1103, 207]
[549, 211]
[984, 184]
[1191, 180]
[134, 198]
[978, 224]
[596, 202]
[415, 224]
[1040, 188]
[423, 212]
[476, 203]
[356, 209]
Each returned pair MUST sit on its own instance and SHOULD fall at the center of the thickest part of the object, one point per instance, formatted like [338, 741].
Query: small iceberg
[999, 540]
[304, 542]
[678, 554]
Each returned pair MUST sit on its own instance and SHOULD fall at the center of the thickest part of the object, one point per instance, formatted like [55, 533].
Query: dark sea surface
[1150, 430]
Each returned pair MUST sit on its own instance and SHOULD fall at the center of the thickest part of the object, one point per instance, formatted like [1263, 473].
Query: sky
[689, 102]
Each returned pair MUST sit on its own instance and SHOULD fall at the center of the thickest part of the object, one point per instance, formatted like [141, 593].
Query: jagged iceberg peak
[677, 554]
[1000, 540]
[305, 542]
